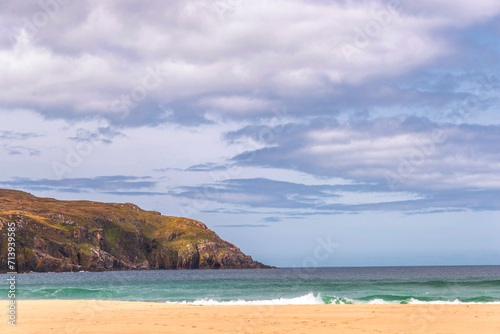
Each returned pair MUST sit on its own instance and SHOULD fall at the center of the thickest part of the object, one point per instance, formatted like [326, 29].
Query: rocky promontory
[58, 236]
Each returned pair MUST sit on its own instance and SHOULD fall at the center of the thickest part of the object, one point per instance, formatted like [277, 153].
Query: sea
[283, 286]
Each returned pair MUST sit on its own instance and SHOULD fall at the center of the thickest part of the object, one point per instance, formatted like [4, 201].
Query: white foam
[309, 299]
[379, 301]
[312, 299]
[340, 301]
[443, 302]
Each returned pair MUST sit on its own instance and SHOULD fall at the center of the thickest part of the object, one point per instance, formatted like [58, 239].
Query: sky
[308, 133]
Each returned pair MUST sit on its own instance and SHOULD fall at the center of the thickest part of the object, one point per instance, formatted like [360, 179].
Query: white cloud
[456, 13]
[219, 55]
[34, 76]
[400, 153]
[236, 104]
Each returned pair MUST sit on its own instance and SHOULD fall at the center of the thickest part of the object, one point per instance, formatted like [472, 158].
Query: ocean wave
[424, 302]
[309, 299]
[445, 283]
[421, 302]
[318, 299]
[447, 302]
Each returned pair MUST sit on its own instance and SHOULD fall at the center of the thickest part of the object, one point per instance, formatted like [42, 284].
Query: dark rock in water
[59, 236]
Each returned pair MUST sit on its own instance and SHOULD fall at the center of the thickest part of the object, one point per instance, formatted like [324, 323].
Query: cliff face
[57, 236]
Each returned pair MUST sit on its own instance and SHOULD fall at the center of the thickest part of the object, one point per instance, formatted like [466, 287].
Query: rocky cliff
[57, 236]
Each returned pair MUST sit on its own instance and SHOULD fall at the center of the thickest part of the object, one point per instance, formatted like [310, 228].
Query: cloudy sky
[308, 133]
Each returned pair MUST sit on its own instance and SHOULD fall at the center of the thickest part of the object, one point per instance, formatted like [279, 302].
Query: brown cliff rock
[58, 236]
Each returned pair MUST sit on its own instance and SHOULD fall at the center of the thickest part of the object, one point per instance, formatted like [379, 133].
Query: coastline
[94, 316]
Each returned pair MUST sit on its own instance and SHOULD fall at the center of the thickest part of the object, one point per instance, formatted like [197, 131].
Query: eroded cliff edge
[57, 236]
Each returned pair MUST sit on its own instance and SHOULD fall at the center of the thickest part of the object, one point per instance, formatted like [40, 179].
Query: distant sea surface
[375, 285]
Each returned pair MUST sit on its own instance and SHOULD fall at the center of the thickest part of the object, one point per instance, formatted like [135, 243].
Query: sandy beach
[137, 317]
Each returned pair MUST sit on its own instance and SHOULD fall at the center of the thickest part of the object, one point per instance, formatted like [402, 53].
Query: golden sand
[136, 317]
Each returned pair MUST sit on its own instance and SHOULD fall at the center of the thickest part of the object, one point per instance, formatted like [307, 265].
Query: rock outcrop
[59, 236]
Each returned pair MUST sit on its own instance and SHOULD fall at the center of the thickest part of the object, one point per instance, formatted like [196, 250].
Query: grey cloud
[101, 134]
[135, 193]
[15, 135]
[245, 61]
[167, 169]
[206, 167]
[480, 200]
[21, 150]
[326, 199]
[260, 193]
[272, 219]
[99, 184]
[243, 226]
[415, 153]
[229, 211]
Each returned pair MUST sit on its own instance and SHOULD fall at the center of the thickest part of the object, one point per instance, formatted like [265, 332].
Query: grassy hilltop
[53, 235]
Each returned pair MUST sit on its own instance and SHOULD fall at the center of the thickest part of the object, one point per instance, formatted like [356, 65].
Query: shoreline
[95, 316]
[6, 272]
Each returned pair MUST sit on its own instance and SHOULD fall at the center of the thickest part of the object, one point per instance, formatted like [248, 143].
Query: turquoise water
[379, 285]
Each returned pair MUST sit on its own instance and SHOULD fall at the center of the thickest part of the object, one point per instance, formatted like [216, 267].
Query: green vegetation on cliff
[53, 235]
